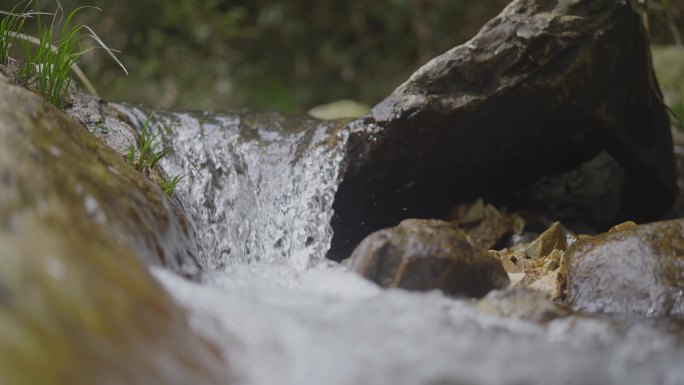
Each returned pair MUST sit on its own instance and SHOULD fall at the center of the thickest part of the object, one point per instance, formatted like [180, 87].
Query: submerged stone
[425, 255]
[77, 303]
[633, 269]
[542, 88]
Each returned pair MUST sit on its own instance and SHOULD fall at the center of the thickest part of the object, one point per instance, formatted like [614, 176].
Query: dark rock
[77, 303]
[486, 226]
[631, 269]
[542, 88]
[590, 193]
[428, 254]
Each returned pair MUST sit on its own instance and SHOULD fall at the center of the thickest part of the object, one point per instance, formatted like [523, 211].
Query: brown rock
[427, 254]
[554, 238]
[521, 303]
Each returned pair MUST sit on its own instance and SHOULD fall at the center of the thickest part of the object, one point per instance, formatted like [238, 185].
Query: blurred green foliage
[289, 55]
[668, 62]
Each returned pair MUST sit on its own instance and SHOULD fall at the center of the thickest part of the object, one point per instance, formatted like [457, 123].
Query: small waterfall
[259, 186]
[260, 189]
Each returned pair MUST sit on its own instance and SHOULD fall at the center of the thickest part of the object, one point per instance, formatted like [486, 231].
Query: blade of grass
[53, 60]
[10, 25]
[169, 185]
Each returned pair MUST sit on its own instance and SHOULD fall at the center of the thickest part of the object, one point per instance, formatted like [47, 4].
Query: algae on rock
[77, 303]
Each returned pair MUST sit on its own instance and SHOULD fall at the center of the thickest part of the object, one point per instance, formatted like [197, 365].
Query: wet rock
[549, 282]
[623, 226]
[590, 193]
[427, 254]
[538, 91]
[536, 265]
[636, 269]
[521, 303]
[485, 224]
[555, 238]
[77, 303]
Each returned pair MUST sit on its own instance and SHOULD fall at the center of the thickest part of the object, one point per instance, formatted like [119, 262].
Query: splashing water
[260, 189]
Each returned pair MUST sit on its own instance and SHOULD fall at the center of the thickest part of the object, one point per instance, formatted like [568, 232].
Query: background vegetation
[283, 54]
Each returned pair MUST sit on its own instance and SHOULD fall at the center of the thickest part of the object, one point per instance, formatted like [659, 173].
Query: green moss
[77, 303]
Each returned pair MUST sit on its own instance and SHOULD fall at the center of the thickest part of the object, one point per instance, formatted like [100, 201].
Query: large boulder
[77, 303]
[632, 269]
[542, 88]
[423, 254]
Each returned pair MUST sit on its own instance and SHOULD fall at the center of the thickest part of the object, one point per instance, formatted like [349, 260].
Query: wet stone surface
[633, 270]
[77, 227]
[428, 254]
[539, 91]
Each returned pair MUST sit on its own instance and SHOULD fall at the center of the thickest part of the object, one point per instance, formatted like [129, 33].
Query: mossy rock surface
[77, 224]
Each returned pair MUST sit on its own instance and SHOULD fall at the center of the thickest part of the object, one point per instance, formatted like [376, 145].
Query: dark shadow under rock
[588, 194]
[543, 87]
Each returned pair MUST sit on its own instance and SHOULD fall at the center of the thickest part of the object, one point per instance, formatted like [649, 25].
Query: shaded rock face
[542, 88]
[77, 303]
[590, 193]
[631, 269]
[485, 224]
[427, 254]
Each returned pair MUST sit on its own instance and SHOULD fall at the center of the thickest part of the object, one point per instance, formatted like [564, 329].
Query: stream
[260, 190]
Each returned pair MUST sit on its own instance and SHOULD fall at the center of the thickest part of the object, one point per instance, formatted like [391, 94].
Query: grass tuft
[169, 185]
[51, 66]
[11, 26]
[148, 154]
[56, 52]
[150, 151]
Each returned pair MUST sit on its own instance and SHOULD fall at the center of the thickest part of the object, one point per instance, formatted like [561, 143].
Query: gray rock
[425, 255]
[542, 88]
[632, 269]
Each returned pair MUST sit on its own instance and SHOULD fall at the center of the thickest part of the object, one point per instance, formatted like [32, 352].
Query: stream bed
[260, 190]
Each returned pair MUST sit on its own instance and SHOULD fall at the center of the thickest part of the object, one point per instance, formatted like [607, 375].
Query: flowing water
[260, 189]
